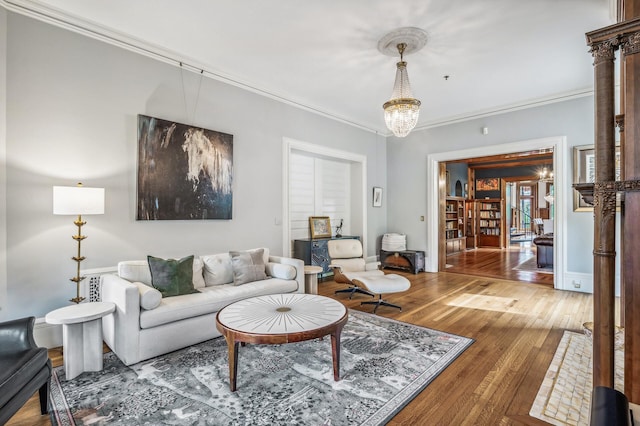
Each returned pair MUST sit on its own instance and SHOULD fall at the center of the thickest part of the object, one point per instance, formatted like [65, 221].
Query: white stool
[311, 279]
[390, 283]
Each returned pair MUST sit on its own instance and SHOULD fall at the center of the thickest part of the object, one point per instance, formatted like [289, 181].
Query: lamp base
[76, 299]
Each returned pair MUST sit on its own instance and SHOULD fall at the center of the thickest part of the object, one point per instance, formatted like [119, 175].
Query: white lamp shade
[78, 200]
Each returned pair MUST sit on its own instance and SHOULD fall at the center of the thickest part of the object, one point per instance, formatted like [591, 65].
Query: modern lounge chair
[347, 263]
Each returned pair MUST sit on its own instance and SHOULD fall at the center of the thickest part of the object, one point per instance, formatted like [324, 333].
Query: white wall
[71, 116]
[407, 167]
[3, 163]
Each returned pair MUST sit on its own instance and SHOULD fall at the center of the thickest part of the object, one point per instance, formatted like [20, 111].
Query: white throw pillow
[217, 269]
[150, 297]
[198, 273]
[278, 270]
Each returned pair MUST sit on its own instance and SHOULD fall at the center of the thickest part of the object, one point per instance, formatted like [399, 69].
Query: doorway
[557, 145]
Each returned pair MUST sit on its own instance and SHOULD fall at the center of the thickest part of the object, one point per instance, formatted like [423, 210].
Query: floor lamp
[78, 200]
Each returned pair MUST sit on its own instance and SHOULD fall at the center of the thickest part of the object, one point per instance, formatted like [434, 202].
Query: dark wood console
[410, 260]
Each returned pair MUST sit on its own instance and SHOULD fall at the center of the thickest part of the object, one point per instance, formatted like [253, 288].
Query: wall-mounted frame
[377, 196]
[320, 226]
[184, 172]
[488, 184]
[584, 171]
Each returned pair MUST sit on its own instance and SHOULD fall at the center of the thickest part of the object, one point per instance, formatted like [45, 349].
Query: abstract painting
[184, 172]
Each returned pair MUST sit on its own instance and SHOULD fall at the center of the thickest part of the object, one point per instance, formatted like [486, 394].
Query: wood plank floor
[517, 327]
[498, 263]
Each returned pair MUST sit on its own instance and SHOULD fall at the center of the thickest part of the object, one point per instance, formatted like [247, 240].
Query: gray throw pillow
[248, 266]
[172, 277]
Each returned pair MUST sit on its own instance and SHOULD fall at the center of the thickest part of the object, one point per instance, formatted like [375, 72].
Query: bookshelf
[454, 227]
[470, 224]
[489, 220]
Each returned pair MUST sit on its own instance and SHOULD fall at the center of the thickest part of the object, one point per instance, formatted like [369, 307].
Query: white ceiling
[499, 54]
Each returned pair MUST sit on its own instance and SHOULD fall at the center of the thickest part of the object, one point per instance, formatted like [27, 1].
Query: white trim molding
[289, 145]
[561, 167]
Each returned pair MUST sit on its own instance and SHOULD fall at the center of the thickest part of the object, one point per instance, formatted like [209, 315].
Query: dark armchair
[24, 368]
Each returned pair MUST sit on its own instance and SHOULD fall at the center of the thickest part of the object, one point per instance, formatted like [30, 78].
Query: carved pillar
[630, 226]
[604, 214]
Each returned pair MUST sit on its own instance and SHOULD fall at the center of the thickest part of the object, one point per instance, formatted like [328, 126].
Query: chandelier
[545, 175]
[401, 112]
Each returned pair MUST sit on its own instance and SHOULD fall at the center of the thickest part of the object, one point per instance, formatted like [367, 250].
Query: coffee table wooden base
[330, 317]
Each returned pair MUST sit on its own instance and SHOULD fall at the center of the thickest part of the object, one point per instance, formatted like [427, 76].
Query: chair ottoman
[384, 284]
[544, 248]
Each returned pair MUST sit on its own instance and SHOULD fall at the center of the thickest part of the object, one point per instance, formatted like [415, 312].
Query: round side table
[311, 279]
[81, 335]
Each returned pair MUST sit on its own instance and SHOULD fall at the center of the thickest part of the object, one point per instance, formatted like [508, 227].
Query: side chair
[24, 368]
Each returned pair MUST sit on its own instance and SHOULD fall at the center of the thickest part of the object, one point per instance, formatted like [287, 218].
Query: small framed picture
[320, 226]
[377, 196]
[488, 184]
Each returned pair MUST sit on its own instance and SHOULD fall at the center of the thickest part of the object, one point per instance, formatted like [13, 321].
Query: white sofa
[134, 333]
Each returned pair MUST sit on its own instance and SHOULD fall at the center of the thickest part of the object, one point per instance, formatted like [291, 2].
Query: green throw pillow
[172, 277]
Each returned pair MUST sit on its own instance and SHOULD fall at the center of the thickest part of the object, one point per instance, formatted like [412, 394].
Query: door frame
[561, 169]
[289, 145]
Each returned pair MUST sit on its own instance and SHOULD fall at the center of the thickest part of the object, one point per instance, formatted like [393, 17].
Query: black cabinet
[316, 251]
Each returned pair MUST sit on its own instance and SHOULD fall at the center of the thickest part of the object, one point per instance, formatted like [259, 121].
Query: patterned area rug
[564, 398]
[532, 265]
[384, 364]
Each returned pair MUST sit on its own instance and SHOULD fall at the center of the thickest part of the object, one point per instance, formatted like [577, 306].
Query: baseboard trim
[47, 335]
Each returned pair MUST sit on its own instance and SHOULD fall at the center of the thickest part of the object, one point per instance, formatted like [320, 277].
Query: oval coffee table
[278, 319]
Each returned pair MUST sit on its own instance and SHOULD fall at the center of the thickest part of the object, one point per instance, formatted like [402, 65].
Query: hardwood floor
[498, 263]
[516, 328]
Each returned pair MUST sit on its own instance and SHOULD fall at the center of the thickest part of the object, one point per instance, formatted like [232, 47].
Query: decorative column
[603, 42]
[604, 214]
[630, 226]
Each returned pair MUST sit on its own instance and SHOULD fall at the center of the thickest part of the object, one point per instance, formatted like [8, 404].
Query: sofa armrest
[121, 330]
[296, 263]
[17, 335]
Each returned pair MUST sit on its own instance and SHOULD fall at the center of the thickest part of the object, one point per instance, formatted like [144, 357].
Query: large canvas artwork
[184, 172]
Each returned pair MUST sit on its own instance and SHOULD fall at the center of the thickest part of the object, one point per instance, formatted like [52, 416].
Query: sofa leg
[44, 397]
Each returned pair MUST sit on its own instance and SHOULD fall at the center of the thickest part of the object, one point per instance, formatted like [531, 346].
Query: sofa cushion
[150, 297]
[210, 299]
[248, 266]
[135, 270]
[279, 270]
[350, 265]
[198, 273]
[217, 269]
[138, 270]
[172, 277]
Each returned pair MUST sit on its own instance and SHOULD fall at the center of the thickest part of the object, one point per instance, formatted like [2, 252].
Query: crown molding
[532, 103]
[38, 10]
[42, 12]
